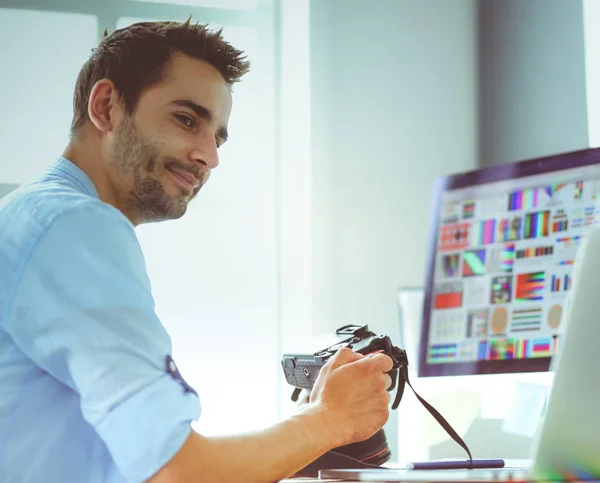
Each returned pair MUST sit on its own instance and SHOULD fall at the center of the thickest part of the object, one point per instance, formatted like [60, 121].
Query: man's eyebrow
[203, 113]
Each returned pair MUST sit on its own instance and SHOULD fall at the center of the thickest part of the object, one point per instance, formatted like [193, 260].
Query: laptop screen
[502, 246]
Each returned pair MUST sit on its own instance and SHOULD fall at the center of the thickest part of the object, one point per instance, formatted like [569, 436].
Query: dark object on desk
[301, 371]
[457, 465]
[373, 451]
[332, 461]
[365, 454]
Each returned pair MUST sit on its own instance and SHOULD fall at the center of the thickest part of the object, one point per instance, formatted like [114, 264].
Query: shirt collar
[64, 166]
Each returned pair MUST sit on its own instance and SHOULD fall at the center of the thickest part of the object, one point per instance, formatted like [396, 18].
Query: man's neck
[87, 155]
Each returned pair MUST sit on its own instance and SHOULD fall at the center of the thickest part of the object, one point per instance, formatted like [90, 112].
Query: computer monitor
[501, 250]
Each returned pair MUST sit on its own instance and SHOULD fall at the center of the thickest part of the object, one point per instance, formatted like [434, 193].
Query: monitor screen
[501, 252]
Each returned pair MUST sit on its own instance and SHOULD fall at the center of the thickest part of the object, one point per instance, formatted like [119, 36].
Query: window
[43, 60]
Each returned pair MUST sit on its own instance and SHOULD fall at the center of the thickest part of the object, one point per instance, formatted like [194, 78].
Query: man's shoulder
[31, 212]
[34, 208]
[63, 226]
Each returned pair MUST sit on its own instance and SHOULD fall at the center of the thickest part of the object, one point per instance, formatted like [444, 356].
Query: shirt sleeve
[82, 311]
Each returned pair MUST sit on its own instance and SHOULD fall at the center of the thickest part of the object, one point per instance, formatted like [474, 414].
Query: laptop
[567, 442]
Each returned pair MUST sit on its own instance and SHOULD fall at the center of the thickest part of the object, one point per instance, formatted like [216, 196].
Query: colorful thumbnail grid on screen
[526, 320]
[511, 348]
[534, 252]
[484, 232]
[448, 296]
[560, 283]
[502, 259]
[454, 237]
[501, 291]
[473, 262]
[443, 352]
[523, 199]
[530, 286]
[537, 225]
[450, 265]
[510, 229]
[554, 188]
[560, 226]
[468, 209]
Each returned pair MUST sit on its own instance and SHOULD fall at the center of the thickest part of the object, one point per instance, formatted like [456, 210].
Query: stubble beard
[135, 156]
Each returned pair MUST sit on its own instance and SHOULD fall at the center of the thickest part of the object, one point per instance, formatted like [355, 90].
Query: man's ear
[104, 105]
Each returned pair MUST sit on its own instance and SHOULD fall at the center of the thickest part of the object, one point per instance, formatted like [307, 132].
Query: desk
[306, 480]
[315, 480]
[311, 480]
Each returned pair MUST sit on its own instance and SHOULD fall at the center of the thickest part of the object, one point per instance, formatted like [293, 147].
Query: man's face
[162, 154]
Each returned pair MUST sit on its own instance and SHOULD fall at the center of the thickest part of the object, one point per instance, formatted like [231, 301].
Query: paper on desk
[526, 410]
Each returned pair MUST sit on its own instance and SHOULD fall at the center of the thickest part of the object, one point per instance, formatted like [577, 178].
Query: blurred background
[319, 210]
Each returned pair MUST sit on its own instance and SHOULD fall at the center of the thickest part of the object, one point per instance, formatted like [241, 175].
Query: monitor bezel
[521, 169]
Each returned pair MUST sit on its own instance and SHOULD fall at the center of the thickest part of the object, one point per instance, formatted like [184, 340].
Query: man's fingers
[343, 356]
[389, 381]
[379, 360]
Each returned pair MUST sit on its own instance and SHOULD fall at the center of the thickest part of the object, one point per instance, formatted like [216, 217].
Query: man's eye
[185, 120]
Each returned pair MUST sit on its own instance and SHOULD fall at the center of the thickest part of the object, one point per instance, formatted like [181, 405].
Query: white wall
[591, 18]
[532, 79]
[394, 105]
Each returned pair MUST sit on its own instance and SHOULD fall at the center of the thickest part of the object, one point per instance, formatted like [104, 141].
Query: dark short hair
[134, 57]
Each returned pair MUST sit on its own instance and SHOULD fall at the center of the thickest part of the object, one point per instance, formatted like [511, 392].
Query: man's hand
[303, 398]
[351, 390]
[348, 403]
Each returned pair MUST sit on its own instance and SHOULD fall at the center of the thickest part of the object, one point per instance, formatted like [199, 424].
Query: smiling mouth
[185, 181]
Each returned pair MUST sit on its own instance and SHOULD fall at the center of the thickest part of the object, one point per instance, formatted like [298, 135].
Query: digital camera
[301, 371]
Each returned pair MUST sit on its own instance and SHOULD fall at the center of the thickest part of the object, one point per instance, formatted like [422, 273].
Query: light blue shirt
[88, 392]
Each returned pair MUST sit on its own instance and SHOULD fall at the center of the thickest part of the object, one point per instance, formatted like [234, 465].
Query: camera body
[301, 370]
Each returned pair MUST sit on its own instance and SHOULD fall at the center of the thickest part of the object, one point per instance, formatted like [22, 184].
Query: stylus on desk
[457, 465]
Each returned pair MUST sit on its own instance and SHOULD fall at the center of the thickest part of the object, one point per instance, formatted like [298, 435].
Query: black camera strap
[401, 362]
[402, 380]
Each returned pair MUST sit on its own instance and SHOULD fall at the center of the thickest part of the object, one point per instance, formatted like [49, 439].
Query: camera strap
[402, 380]
[401, 362]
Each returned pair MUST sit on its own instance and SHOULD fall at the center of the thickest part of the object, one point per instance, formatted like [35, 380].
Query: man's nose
[205, 152]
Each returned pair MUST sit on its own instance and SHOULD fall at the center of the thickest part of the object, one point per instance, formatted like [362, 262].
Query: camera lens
[374, 450]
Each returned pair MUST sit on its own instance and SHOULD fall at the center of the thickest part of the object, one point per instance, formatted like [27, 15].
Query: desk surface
[305, 480]
[413, 480]
[311, 480]
[514, 473]
[315, 480]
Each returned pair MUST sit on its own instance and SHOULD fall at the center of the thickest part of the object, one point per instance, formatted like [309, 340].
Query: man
[89, 392]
